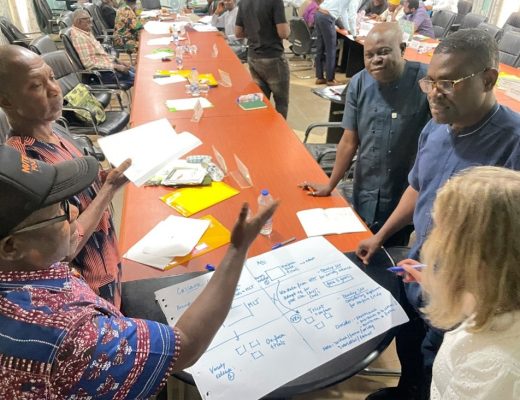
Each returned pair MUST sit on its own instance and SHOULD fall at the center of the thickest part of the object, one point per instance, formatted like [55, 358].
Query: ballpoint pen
[280, 244]
[401, 269]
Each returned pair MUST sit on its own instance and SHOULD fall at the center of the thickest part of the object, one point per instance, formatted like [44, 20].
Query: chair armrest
[22, 41]
[320, 125]
[92, 116]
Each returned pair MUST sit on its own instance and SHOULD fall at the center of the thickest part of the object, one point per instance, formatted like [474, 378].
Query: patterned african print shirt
[58, 340]
[126, 28]
[99, 260]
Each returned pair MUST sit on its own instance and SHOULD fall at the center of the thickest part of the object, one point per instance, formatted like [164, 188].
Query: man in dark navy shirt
[468, 128]
[264, 25]
[385, 111]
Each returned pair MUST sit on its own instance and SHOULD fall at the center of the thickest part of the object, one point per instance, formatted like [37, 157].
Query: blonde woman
[473, 285]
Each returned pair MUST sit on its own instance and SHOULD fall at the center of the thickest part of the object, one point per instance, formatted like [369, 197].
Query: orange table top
[276, 159]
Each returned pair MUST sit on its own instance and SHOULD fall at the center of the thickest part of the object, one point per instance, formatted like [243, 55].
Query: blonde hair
[474, 248]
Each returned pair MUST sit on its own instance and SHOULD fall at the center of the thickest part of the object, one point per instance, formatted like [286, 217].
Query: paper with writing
[294, 309]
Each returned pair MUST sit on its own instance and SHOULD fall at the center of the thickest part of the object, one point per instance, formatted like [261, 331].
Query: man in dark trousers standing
[264, 24]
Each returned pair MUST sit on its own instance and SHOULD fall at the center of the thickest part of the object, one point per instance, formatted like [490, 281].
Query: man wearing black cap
[58, 339]
[32, 100]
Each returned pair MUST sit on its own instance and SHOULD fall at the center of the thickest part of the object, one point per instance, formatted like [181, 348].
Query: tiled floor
[304, 108]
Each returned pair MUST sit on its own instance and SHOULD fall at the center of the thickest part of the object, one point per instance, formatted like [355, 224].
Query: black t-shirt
[258, 18]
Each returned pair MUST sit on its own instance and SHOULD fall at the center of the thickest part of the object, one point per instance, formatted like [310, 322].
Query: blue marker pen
[401, 269]
[210, 267]
[280, 244]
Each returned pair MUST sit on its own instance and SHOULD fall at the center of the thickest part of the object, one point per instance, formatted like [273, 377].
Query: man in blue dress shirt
[416, 12]
[468, 128]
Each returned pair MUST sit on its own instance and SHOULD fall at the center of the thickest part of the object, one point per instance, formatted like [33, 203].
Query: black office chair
[64, 73]
[43, 44]
[442, 21]
[15, 35]
[513, 21]
[302, 41]
[47, 18]
[472, 20]
[509, 48]
[91, 77]
[494, 31]
[463, 8]
[4, 127]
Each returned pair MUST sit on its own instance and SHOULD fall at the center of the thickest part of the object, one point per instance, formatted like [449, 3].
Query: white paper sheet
[295, 308]
[187, 104]
[320, 221]
[150, 13]
[159, 55]
[150, 146]
[204, 28]
[175, 236]
[157, 27]
[161, 41]
[167, 80]
[205, 20]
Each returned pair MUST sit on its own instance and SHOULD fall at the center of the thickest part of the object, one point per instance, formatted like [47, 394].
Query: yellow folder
[216, 235]
[209, 78]
[190, 200]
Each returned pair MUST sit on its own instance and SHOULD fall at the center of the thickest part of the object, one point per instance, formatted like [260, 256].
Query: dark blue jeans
[124, 78]
[325, 29]
[272, 75]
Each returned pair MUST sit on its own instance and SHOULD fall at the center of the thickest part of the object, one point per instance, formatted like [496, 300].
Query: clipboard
[217, 235]
[191, 200]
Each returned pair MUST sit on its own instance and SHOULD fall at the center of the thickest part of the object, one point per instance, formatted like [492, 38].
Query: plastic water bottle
[176, 37]
[264, 200]
[194, 82]
[178, 58]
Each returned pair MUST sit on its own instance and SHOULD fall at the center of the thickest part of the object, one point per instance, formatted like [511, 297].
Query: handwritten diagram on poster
[294, 309]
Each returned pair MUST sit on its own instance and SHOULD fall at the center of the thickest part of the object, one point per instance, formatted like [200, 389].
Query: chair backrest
[509, 48]
[66, 20]
[12, 33]
[463, 8]
[43, 15]
[64, 71]
[442, 21]
[151, 4]
[513, 20]
[43, 44]
[4, 127]
[69, 48]
[472, 20]
[98, 25]
[494, 31]
[300, 37]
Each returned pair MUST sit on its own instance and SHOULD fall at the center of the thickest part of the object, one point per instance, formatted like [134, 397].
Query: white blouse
[479, 366]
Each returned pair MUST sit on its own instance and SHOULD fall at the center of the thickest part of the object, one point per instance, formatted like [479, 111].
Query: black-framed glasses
[46, 222]
[444, 86]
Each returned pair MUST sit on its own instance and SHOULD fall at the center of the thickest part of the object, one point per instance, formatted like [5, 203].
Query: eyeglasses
[46, 222]
[444, 86]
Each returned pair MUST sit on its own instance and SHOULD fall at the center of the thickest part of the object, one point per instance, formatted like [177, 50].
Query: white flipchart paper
[295, 308]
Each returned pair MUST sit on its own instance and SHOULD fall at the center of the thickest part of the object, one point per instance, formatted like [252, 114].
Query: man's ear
[10, 249]
[490, 79]
[402, 46]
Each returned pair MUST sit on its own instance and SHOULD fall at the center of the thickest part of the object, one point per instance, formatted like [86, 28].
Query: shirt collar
[56, 277]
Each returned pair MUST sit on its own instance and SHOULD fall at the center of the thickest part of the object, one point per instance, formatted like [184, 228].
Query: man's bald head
[384, 52]
[29, 94]
[389, 30]
[14, 60]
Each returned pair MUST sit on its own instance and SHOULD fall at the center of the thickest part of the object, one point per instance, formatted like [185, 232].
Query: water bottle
[264, 200]
[194, 82]
[178, 58]
[176, 37]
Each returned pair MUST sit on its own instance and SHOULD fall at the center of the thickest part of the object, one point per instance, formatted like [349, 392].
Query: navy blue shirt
[442, 154]
[388, 119]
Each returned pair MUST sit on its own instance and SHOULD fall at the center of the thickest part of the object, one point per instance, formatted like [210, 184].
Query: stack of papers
[204, 28]
[320, 221]
[157, 28]
[510, 83]
[150, 147]
[187, 104]
[173, 237]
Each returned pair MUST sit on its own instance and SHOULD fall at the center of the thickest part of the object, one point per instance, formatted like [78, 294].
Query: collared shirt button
[389, 151]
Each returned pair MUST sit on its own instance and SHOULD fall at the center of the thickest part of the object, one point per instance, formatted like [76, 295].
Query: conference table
[276, 159]
[261, 139]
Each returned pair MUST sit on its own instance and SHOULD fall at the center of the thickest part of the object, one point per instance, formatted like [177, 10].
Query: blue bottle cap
[265, 192]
